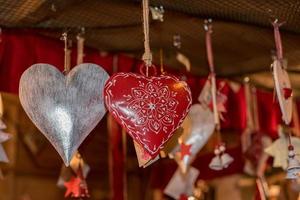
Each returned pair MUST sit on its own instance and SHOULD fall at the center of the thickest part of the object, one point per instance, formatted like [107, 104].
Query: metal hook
[207, 24]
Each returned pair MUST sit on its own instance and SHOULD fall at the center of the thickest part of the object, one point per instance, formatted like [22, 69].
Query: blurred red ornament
[287, 92]
[183, 197]
[185, 150]
[77, 186]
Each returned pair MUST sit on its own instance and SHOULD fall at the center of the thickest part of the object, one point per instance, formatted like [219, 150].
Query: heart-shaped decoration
[64, 108]
[150, 109]
[282, 84]
[202, 126]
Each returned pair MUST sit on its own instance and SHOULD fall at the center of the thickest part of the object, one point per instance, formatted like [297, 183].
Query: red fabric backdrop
[19, 49]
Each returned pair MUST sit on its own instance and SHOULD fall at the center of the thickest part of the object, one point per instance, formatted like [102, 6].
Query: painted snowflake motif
[154, 106]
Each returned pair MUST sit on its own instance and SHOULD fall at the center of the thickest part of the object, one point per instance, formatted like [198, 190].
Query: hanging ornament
[157, 13]
[284, 96]
[3, 138]
[281, 78]
[206, 98]
[279, 149]
[222, 159]
[182, 185]
[293, 169]
[183, 197]
[144, 158]
[185, 150]
[200, 190]
[256, 158]
[67, 172]
[177, 41]
[172, 144]
[201, 128]
[181, 58]
[64, 108]
[77, 187]
[149, 108]
[253, 141]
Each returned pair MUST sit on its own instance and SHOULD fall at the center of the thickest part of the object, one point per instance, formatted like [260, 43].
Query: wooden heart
[282, 81]
[64, 108]
[149, 108]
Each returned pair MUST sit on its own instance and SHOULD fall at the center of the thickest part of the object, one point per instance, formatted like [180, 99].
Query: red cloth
[19, 49]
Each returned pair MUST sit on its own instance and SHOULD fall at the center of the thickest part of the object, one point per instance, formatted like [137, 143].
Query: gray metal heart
[64, 108]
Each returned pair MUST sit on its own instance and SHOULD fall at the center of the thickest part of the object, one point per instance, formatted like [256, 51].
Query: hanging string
[255, 109]
[80, 47]
[124, 146]
[219, 136]
[161, 58]
[290, 138]
[208, 29]
[277, 38]
[210, 59]
[147, 57]
[295, 119]
[67, 53]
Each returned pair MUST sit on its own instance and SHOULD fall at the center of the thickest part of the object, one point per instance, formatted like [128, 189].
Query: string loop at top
[64, 38]
[277, 37]
[147, 57]
[210, 58]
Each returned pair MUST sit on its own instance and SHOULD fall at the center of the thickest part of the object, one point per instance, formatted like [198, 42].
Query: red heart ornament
[150, 109]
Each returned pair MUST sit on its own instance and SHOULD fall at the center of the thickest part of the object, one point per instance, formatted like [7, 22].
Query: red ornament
[255, 150]
[77, 186]
[183, 197]
[185, 150]
[287, 92]
[150, 109]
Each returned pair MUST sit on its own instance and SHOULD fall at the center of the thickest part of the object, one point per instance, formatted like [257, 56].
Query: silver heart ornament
[64, 108]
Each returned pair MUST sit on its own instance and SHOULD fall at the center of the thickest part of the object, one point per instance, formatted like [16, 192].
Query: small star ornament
[185, 150]
[77, 187]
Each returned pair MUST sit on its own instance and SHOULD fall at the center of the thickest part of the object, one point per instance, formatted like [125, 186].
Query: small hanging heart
[150, 109]
[64, 108]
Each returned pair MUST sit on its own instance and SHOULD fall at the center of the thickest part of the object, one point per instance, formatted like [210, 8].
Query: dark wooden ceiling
[242, 39]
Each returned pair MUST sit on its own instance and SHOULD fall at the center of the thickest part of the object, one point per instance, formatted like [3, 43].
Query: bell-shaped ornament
[216, 162]
[293, 170]
[226, 160]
